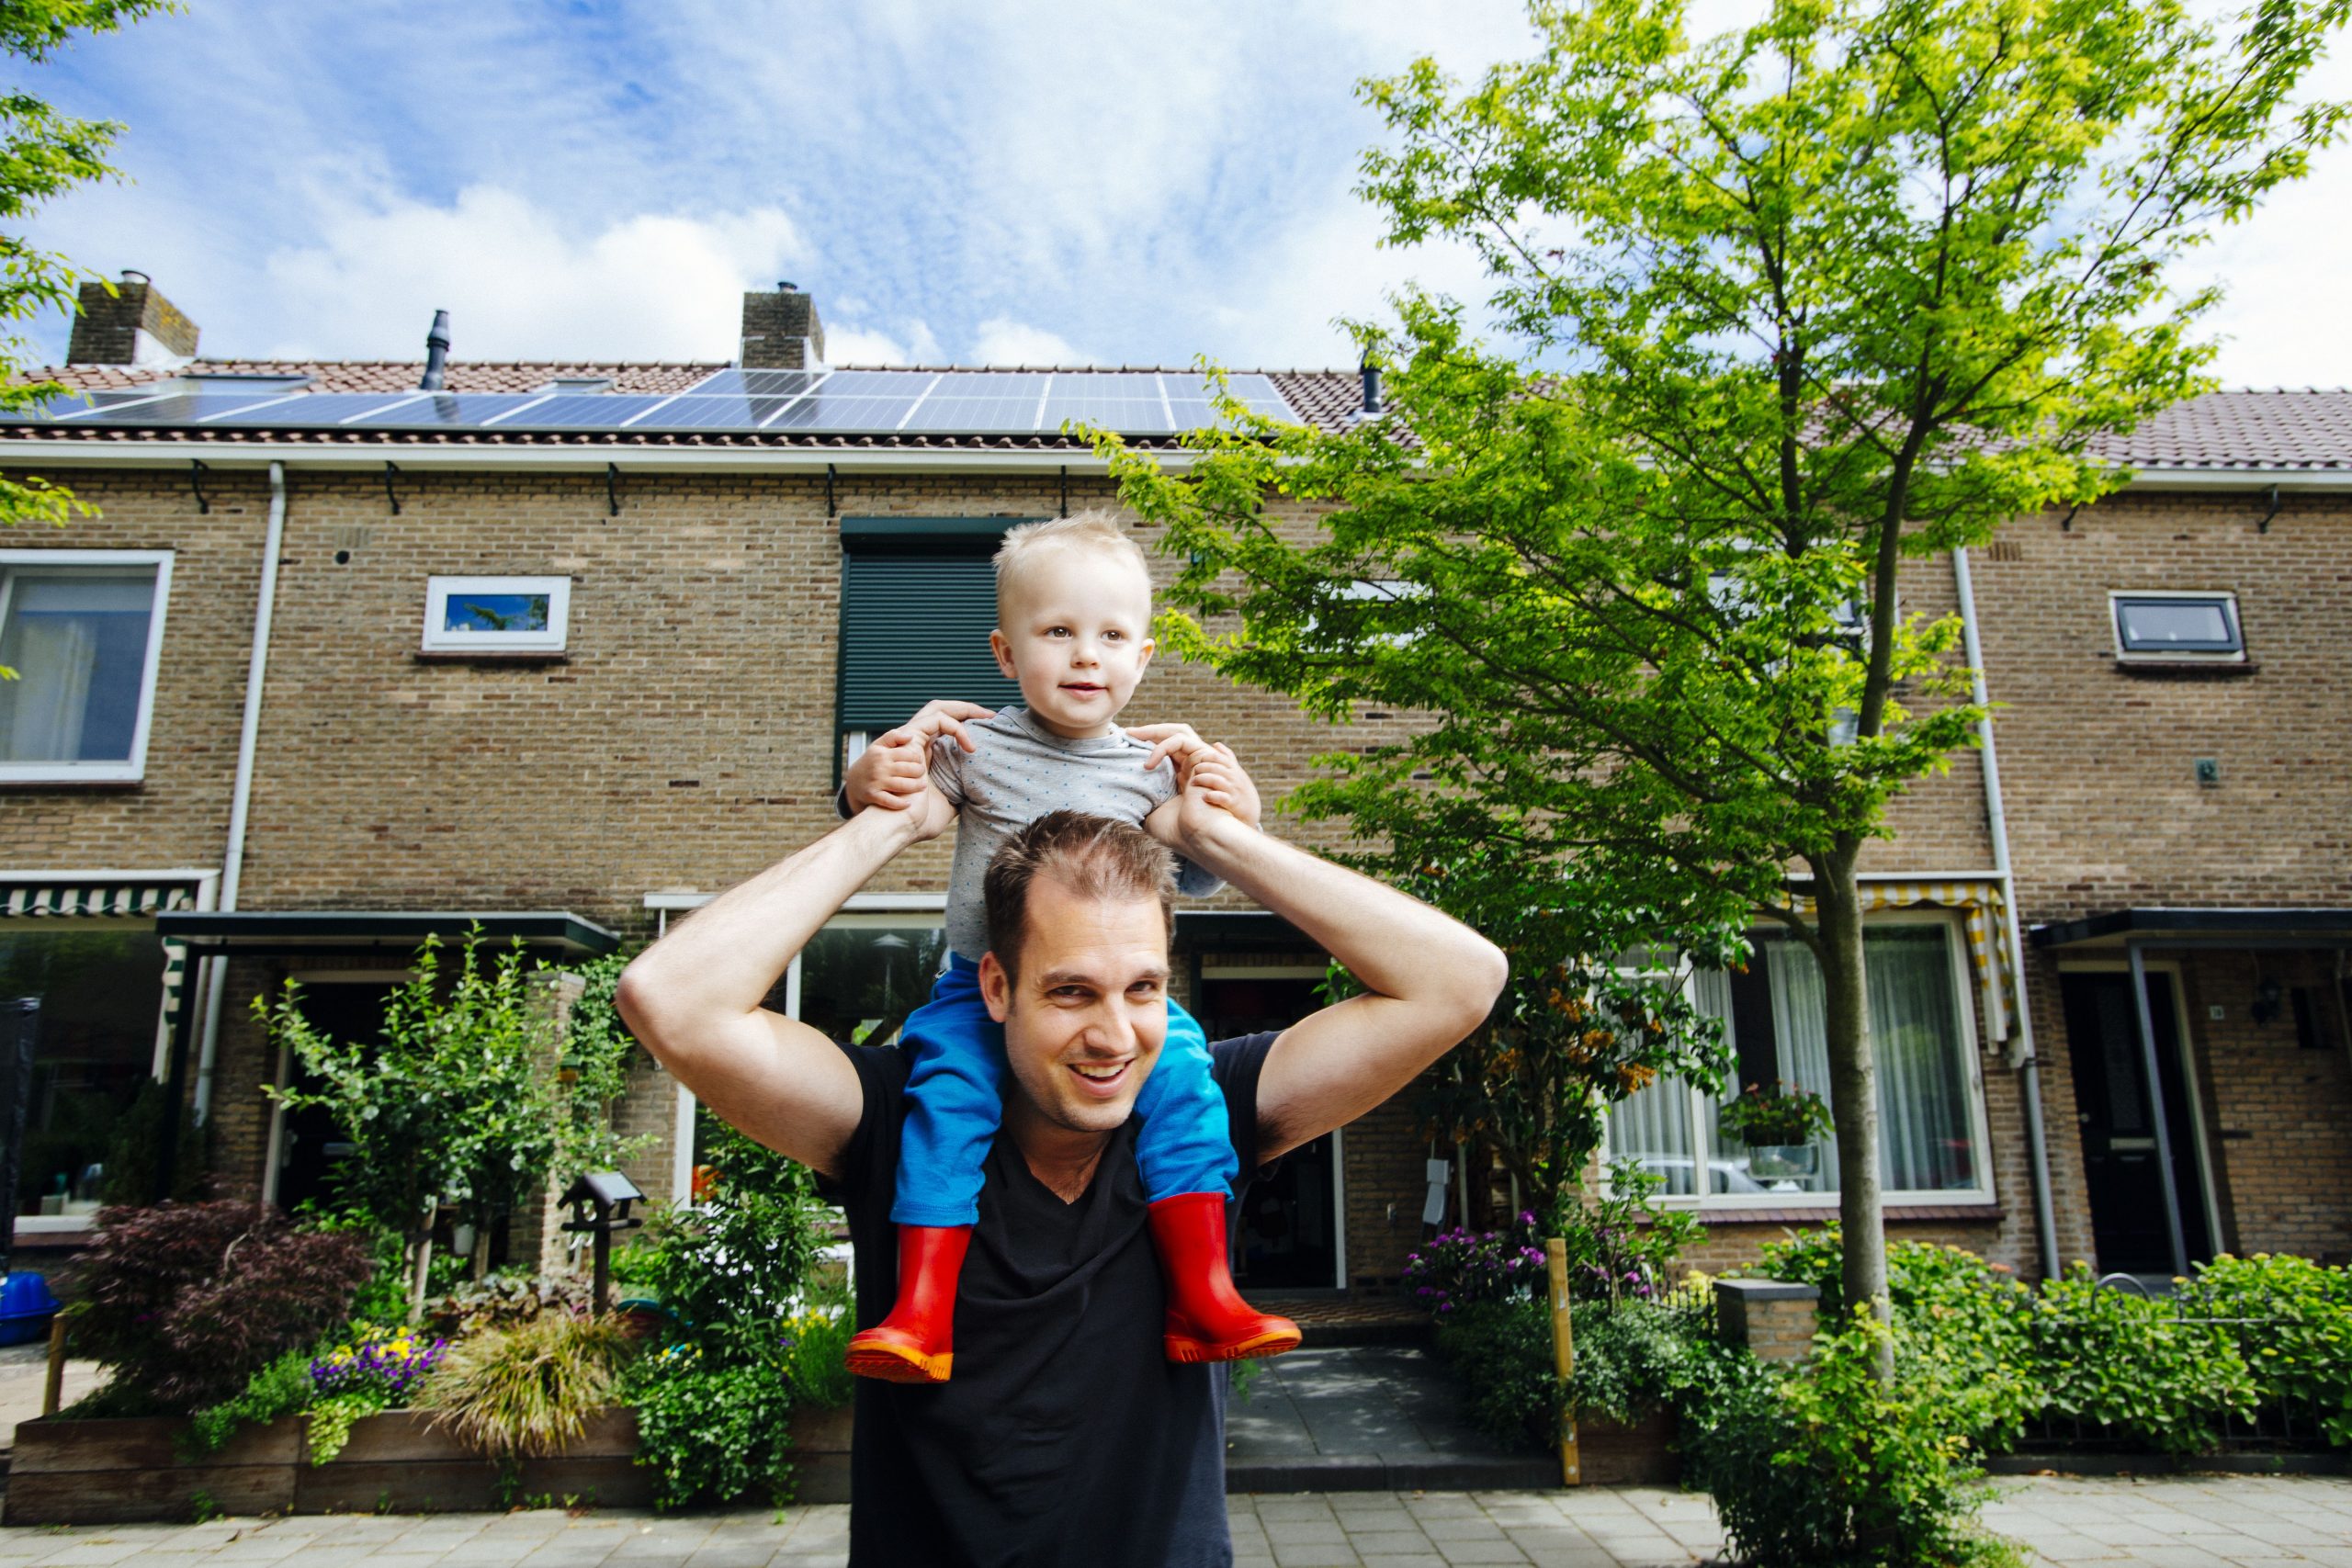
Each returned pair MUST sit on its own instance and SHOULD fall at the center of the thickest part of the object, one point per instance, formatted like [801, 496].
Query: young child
[1073, 622]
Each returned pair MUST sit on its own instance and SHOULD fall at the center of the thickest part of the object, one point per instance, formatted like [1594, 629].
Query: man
[1066, 1435]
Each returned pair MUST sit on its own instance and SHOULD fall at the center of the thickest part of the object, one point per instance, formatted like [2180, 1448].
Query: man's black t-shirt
[1065, 1436]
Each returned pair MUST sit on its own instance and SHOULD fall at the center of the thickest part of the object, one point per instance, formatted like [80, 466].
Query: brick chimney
[132, 325]
[781, 330]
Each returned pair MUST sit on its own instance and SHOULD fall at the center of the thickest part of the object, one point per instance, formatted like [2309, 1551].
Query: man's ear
[996, 987]
[1003, 649]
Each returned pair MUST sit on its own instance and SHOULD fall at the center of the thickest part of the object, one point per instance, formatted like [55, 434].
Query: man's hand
[1231, 788]
[894, 770]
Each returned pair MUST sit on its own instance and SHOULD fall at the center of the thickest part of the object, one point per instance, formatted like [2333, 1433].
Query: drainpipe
[2023, 1058]
[232, 863]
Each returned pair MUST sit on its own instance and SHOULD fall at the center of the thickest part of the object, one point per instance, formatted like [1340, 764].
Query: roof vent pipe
[1370, 389]
[436, 352]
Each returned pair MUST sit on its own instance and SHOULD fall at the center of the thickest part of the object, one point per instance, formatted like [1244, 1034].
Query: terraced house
[357, 651]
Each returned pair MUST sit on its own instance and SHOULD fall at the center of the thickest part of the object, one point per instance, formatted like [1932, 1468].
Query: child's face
[1073, 630]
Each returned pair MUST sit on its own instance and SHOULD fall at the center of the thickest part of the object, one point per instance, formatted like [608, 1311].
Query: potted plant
[1779, 1123]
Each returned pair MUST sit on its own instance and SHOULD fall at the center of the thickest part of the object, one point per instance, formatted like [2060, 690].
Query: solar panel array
[973, 402]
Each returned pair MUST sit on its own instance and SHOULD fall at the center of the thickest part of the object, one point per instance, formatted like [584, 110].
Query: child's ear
[1148, 647]
[996, 987]
[1003, 651]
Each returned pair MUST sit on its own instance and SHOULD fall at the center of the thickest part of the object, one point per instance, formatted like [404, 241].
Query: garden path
[2175, 1522]
[24, 1374]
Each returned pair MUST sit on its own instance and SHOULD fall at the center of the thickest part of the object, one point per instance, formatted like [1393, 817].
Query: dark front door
[2121, 1161]
[313, 1146]
[1290, 1228]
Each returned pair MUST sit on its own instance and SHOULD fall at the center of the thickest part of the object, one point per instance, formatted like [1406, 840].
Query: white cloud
[517, 284]
[1003, 341]
[911, 344]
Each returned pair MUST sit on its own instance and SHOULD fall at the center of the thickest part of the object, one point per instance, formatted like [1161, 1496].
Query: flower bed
[121, 1471]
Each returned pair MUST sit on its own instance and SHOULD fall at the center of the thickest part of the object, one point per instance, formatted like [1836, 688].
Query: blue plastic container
[26, 1307]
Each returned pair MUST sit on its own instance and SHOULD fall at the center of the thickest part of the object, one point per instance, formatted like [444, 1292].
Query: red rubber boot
[914, 1344]
[1207, 1319]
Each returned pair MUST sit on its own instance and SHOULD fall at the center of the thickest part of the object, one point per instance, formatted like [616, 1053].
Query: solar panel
[757, 383]
[318, 407]
[696, 411]
[844, 402]
[449, 411]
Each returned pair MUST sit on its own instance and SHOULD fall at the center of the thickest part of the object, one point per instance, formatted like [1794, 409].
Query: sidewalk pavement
[2175, 1522]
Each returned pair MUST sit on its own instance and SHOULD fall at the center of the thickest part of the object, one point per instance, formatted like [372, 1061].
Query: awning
[2200, 928]
[1979, 901]
[83, 900]
[286, 933]
[1240, 931]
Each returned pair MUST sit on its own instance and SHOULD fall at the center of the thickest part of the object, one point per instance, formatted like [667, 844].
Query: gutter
[232, 863]
[2023, 1059]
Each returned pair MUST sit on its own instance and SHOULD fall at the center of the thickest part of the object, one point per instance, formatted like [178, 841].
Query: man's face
[1084, 1022]
[1074, 632]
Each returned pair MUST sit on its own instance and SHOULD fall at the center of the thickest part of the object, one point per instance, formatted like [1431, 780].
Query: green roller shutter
[915, 626]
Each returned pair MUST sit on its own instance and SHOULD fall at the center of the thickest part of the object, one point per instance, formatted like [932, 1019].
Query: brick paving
[2175, 1522]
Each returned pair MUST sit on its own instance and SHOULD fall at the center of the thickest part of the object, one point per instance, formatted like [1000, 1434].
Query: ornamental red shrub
[186, 1301]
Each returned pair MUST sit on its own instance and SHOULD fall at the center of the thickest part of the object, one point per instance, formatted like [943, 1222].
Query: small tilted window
[492, 615]
[2177, 626]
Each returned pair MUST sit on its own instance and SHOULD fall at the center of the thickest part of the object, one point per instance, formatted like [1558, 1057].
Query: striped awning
[67, 900]
[1979, 902]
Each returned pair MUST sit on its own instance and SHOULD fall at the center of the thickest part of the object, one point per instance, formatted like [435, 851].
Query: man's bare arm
[694, 996]
[1430, 979]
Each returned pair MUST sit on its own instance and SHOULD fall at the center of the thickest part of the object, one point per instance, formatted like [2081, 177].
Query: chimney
[131, 325]
[436, 352]
[1370, 389]
[781, 330]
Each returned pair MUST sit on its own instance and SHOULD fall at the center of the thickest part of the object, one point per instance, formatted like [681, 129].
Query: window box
[84, 630]
[2176, 627]
[496, 615]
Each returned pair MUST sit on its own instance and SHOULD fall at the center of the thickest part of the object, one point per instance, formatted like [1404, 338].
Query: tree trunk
[1853, 1091]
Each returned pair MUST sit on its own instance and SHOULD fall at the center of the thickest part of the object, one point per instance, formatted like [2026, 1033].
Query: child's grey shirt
[1022, 771]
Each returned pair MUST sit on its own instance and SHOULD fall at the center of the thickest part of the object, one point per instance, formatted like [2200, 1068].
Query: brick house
[572, 647]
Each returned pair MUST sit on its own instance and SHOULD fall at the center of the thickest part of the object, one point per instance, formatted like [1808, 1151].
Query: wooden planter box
[77, 1472]
[1615, 1455]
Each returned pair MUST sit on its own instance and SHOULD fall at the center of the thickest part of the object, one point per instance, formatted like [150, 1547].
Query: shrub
[1461, 1268]
[186, 1301]
[2297, 1329]
[502, 1300]
[1959, 1323]
[1826, 1467]
[1621, 1244]
[815, 1347]
[712, 1433]
[2116, 1360]
[1501, 1355]
[282, 1388]
[376, 1369]
[1637, 1359]
[528, 1389]
[744, 1256]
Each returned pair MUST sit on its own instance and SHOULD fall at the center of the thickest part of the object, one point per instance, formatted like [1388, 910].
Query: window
[494, 615]
[2177, 626]
[1931, 1139]
[94, 1046]
[82, 630]
[578, 384]
[918, 603]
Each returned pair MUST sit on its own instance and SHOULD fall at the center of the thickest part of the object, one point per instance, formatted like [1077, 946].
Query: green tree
[43, 154]
[1785, 307]
[458, 1103]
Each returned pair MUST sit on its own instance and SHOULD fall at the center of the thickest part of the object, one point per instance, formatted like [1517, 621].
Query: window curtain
[78, 643]
[1925, 1142]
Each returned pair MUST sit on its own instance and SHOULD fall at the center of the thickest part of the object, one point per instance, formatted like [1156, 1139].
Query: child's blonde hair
[1098, 530]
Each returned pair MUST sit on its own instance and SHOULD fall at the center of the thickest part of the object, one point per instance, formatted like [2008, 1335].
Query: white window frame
[108, 770]
[2228, 602]
[867, 909]
[1979, 1125]
[439, 639]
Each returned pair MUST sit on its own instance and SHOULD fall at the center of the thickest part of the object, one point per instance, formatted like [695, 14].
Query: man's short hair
[1098, 529]
[1094, 857]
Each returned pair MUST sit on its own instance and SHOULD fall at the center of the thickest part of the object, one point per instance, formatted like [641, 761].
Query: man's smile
[1100, 1078]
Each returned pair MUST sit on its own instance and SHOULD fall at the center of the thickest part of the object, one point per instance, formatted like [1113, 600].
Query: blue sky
[1017, 182]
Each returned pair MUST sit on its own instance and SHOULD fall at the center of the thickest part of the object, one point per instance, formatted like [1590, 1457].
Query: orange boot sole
[1279, 1336]
[878, 1354]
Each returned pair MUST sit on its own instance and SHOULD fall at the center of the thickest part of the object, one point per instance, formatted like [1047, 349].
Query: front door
[1290, 1237]
[2122, 1161]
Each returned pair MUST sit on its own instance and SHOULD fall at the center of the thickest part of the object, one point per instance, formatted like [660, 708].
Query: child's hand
[891, 772]
[894, 768]
[1233, 789]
